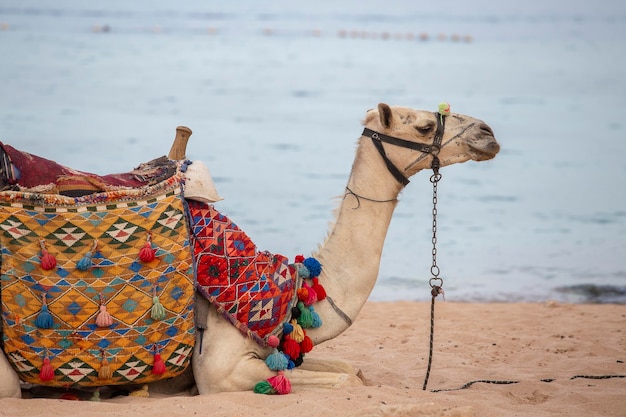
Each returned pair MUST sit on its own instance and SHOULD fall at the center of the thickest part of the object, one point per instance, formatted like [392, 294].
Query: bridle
[433, 149]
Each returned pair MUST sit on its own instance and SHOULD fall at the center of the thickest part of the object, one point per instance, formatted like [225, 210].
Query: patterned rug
[97, 290]
[255, 290]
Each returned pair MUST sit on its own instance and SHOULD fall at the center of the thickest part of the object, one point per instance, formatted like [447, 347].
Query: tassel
[158, 311]
[48, 261]
[303, 272]
[96, 396]
[319, 289]
[276, 361]
[105, 371]
[159, 366]
[312, 295]
[297, 334]
[314, 267]
[287, 328]
[305, 320]
[316, 320]
[85, 263]
[303, 293]
[295, 312]
[103, 319]
[147, 253]
[264, 387]
[44, 319]
[47, 372]
[280, 383]
[306, 345]
[290, 347]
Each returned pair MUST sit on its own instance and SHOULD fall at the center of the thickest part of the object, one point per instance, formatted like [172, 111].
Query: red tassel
[299, 259]
[280, 383]
[291, 348]
[306, 345]
[159, 366]
[47, 372]
[147, 253]
[319, 289]
[48, 261]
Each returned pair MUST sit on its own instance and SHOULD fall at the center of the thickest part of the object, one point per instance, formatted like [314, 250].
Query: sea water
[275, 93]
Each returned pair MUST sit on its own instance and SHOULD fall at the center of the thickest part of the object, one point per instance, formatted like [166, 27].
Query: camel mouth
[484, 151]
[484, 146]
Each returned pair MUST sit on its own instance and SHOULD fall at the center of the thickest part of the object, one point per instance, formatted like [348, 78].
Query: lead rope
[435, 282]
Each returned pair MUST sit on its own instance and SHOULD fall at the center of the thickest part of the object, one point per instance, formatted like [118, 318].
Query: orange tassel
[147, 253]
[48, 261]
[47, 372]
[105, 371]
[303, 294]
[159, 366]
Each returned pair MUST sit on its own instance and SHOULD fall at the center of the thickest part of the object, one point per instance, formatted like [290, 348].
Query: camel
[397, 143]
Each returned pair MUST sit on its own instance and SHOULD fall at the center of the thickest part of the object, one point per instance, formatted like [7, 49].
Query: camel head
[464, 138]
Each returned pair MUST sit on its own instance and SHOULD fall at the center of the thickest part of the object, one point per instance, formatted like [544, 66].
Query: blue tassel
[316, 320]
[85, 263]
[314, 266]
[287, 328]
[44, 319]
[276, 361]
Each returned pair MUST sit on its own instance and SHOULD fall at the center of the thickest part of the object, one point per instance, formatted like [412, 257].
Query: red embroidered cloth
[254, 290]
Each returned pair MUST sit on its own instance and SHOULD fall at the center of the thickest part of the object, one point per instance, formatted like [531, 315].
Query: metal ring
[435, 282]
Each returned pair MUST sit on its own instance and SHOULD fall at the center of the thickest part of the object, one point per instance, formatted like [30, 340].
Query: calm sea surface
[275, 93]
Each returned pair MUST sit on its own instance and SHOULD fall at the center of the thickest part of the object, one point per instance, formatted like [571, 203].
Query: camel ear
[386, 117]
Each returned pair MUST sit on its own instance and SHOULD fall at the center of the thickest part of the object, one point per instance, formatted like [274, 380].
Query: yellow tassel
[105, 371]
[297, 334]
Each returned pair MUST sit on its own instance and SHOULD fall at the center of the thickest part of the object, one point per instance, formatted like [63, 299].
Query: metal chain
[435, 282]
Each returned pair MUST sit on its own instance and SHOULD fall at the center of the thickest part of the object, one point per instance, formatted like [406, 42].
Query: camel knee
[9, 381]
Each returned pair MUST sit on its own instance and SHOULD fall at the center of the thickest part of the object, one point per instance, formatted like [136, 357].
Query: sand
[557, 360]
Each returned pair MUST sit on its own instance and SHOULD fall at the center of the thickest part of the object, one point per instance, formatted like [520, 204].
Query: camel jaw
[485, 151]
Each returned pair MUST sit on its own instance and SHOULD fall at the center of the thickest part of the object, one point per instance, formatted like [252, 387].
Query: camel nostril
[485, 129]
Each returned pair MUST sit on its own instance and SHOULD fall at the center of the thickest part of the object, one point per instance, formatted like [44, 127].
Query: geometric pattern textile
[105, 233]
[254, 290]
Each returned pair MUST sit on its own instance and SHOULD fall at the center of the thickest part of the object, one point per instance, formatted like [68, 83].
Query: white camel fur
[224, 359]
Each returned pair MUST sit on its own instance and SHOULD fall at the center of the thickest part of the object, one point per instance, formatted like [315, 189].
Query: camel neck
[351, 254]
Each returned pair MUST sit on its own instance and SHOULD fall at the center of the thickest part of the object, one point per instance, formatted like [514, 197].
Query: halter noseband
[433, 149]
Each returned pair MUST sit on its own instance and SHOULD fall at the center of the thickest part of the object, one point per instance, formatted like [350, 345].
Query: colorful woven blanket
[97, 290]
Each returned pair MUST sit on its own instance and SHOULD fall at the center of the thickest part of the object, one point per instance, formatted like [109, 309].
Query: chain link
[436, 283]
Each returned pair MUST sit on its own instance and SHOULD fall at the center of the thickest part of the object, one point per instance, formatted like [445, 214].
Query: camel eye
[423, 130]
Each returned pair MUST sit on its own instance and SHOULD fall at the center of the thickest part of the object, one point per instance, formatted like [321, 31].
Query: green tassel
[264, 387]
[306, 319]
[158, 311]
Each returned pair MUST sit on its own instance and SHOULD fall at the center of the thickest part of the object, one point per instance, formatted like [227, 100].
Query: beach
[539, 359]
